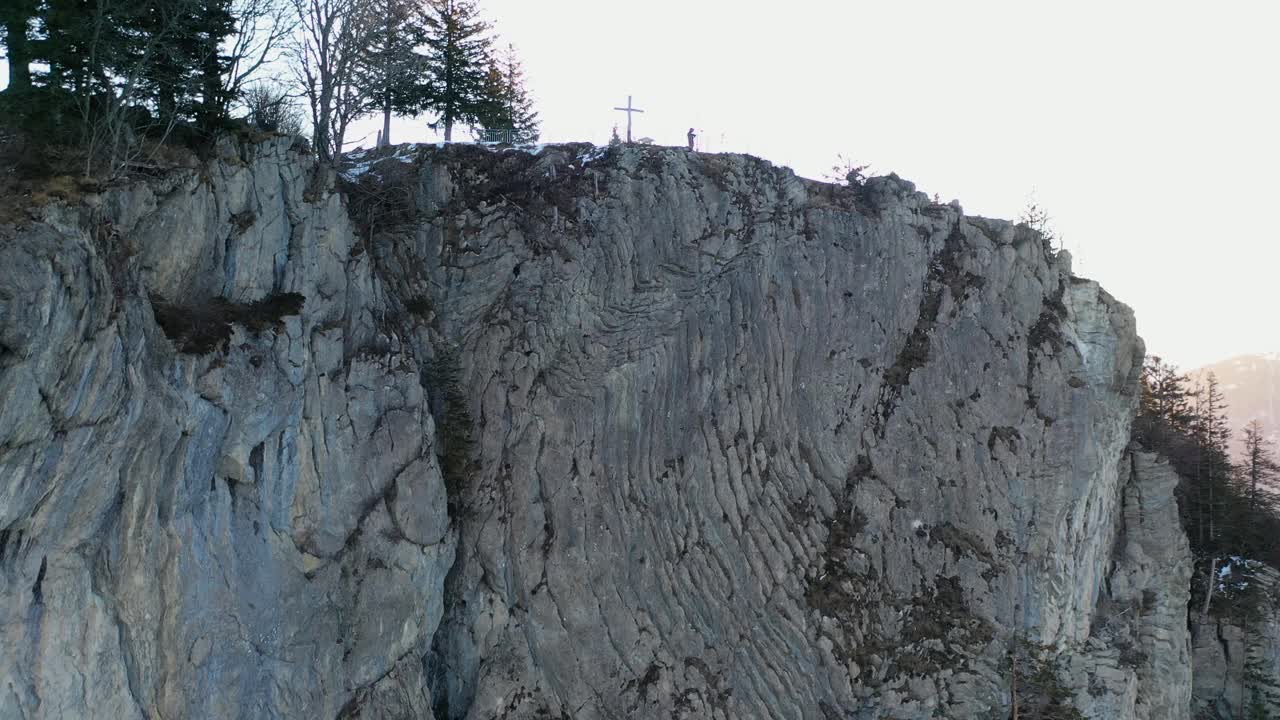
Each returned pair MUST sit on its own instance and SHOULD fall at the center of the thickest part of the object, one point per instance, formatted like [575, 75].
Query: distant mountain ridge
[1251, 385]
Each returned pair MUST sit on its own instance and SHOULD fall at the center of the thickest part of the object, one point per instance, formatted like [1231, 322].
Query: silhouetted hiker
[692, 137]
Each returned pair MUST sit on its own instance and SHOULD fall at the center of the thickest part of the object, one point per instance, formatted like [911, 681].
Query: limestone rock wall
[216, 536]
[1137, 661]
[751, 446]
[714, 442]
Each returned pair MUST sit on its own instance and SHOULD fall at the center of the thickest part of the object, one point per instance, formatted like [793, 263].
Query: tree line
[104, 74]
[1230, 508]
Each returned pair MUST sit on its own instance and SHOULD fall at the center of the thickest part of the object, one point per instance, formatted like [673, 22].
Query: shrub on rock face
[381, 190]
[1036, 689]
[272, 110]
[453, 423]
[202, 328]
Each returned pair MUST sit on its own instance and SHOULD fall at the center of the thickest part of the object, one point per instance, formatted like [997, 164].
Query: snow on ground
[364, 160]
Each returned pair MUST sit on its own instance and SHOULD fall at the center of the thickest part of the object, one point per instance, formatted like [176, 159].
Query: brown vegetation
[202, 328]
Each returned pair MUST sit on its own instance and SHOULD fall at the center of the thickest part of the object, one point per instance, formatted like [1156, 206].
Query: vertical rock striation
[751, 446]
[689, 436]
[213, 535]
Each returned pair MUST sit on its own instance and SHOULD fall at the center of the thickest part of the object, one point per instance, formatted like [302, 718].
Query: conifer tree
[1227, 510]
[507, 102]
[457, 63]
[102, 74]
[213, 23]
[181, 60]
[97, 59]
[15, 21]
[493, 114]
[1212, 432]
[80, 44]
[1259, 469]
[1165, 395]
[390, 70]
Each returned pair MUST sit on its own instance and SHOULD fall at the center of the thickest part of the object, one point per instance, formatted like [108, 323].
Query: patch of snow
[406, 154]
[356, 171]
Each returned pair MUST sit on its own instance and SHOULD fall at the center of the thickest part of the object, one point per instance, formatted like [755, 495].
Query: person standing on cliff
[692, 137]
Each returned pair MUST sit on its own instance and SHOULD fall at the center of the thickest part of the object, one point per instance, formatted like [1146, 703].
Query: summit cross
[628, 110]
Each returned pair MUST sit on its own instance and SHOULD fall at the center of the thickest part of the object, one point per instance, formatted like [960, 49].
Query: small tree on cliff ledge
[847, 171]
[1037, 218]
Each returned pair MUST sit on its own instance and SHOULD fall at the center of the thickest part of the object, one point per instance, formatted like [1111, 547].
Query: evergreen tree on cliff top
[89, 70]
[457, 63]
[508, 105]
[181, 51]
[391, 70]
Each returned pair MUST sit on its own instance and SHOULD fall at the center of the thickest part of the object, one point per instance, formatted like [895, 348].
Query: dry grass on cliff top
[33, 173]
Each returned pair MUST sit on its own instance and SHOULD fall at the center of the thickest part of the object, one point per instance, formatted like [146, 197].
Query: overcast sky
[1147, 129]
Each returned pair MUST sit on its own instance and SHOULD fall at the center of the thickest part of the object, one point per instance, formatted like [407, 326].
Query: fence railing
[497, 136]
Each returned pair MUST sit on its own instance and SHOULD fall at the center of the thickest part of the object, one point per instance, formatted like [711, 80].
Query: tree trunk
[211, 106]
[15, 33]
[1208, 591]
[1213, 508]
[448, 129]
[324, 120]
[323, 148]
[339, 135]
[386, 122]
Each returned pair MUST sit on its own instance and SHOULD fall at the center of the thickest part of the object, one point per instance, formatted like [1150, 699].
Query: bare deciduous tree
[105, 98]
[326, 55]
[272, 109]
[847, 171]
[263, 28]
[1037, 218]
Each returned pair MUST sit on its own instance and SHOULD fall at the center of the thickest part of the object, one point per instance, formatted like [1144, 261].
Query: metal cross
[628, 110]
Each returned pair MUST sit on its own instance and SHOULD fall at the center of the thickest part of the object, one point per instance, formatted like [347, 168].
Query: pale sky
[1147, 129]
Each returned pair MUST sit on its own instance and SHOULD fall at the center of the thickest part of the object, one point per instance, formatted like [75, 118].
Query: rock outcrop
[581, 434]
[1236, 648]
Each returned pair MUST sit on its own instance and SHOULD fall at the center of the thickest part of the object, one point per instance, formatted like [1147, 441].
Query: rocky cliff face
[581, 434]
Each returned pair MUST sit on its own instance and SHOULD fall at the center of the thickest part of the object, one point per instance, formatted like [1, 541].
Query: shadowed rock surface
[581, 434]
[1236, 649]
